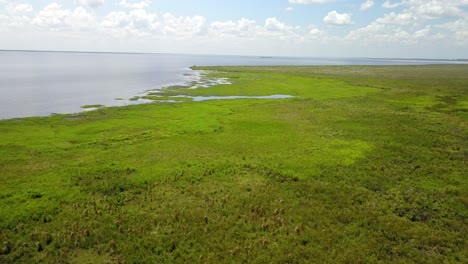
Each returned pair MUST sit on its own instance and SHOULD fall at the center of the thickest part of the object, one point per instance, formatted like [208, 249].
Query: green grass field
[366, 164]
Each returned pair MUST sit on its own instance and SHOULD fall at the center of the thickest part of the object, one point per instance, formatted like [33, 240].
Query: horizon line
[227, 55]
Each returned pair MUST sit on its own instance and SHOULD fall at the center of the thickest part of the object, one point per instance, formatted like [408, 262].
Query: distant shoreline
[249, 56]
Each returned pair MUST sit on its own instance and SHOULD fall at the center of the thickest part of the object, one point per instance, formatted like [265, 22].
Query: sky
[314, 28]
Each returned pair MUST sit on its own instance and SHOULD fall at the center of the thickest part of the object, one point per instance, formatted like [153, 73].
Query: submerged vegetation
[92, 106]
[365, 164]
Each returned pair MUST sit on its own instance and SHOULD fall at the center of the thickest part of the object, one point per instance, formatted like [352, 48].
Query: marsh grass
[366, 164]
[92, 106]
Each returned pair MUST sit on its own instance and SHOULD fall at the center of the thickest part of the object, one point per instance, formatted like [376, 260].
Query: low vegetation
[92, 106]
[365, 164]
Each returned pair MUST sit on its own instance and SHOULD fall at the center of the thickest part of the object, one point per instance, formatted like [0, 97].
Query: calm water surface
[42, 83]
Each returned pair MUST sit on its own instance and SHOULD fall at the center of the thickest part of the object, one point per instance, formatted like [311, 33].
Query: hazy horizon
[237, 55]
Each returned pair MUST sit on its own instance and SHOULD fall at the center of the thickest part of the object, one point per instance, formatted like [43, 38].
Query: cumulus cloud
[366, 5]
[19, 8]
[242, 28]
[55, 17]
[380, 33]
[90, 3]
[289, 8]
[459, 28]
[435, 8]
[316, 33]
[16, 18]
[461, 37]
[423, 9]
[309, 1]
[80, 19]
[457, 25]
[419, 12]
[134, 23]
[373, 30]
[418, 22]
[273, 24]
[141, 23]
[51, 15]
[335, 18]
[397, 19]
[389, 5]
[135, 5]
[183, 25]
[250, 29]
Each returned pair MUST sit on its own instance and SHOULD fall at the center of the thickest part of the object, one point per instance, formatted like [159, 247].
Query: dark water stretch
[42, 83]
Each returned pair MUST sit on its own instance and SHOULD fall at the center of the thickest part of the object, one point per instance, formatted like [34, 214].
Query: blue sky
[332, 28]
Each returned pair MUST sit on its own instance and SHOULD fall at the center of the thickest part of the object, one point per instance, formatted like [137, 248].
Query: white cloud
[90, 3]
[309, 1]
[457, 25]
[142, 23]
[461, 37]
[135, 23]
[417, 25]
[241, 28]
[387, 4]
[435, 8]
[289, 8]
[115, 19]
[80, 19]
[459, 29]
[372, 29]
[53, 16]
[250, 29]
[16, 19]
[431, 9]
[135, 5]
[335, 18]
[19, 8]
[379, 33]
[273, 24]
[422, 25]
[398, 19]
[422, 33]
[366, 5]
[419, 12]
[316, 33]
[183, 25]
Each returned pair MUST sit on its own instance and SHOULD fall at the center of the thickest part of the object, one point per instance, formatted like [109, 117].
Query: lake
[34, 83]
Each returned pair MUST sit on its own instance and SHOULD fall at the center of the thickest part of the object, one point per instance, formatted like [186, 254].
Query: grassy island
[365, 164]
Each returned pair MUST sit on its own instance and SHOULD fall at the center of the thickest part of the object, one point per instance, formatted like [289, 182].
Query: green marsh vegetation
[366, 164]
[92, 106]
